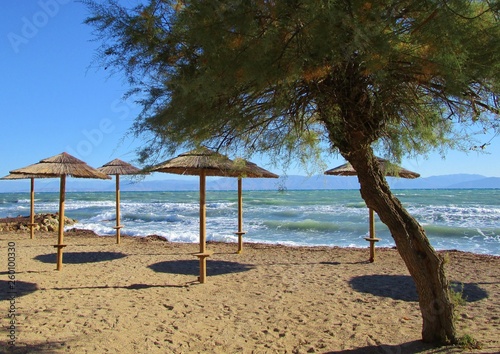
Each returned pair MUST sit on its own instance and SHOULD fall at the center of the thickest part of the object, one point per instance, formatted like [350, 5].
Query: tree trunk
[424, 264]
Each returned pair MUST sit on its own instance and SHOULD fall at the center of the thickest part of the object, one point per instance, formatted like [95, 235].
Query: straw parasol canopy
[205, 162]
[18, 176]
[210, 163]
[61, 165]
[197, 162]
[118, 167]
[388, 169]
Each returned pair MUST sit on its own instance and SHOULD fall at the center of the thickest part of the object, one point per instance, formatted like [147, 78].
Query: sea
[454, 219]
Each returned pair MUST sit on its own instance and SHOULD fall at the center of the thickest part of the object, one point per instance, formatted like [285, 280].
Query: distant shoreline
[316, 182]
[251, 190]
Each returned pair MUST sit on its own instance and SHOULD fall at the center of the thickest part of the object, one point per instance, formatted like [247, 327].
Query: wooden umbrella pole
[372, 235]
[202, 256]
[118, 226]
[203, 230]
[60, 245]
[240, 232]
[372, 239]
[32, 209]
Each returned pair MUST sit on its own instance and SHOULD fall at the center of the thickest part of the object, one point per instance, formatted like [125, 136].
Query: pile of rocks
[44, 222]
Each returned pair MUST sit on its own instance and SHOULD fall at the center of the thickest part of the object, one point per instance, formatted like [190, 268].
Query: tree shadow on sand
[191, 267]
[17, 289]
[402, 287]
[410, 347]
[81, 257]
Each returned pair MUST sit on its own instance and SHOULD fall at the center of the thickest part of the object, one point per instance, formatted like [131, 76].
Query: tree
[402, 76]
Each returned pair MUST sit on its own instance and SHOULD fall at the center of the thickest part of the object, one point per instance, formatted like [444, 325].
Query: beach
[142, 296]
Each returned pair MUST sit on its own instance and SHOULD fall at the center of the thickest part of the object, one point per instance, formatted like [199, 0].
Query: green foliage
[469, 342]
[297, 77]
[457, 296]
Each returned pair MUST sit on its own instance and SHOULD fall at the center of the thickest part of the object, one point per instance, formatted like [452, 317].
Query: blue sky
[53, 101]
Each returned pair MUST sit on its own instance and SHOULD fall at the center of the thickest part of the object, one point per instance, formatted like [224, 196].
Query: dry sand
[142, 296]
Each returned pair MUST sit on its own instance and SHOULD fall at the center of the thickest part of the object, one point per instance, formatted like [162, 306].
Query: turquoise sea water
[467, 220]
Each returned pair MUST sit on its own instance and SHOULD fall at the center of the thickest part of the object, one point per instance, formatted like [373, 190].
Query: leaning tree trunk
[424, 264]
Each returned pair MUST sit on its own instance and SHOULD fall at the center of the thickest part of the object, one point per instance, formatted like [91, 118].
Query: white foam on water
[467, 221]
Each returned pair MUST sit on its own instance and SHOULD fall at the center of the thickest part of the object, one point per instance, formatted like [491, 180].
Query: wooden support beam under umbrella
[118, 167]
[14, 176]
[388, 169]
[61, 165]
[204, 162]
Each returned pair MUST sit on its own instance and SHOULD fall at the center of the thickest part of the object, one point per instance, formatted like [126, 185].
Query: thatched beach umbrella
[388, 169]
[18, 176]
[61, 165]
[118, 167]
[386, 166]
[205, 162]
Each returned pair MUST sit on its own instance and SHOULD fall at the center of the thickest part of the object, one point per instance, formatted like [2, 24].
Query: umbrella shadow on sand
[191, 267]
[402, 287]
[81, 257]
[19, 288]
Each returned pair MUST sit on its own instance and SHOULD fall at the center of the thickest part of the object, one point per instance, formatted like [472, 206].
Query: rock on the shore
[44, 222]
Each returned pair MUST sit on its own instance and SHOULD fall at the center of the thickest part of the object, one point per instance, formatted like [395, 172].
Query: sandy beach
[142, 296]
